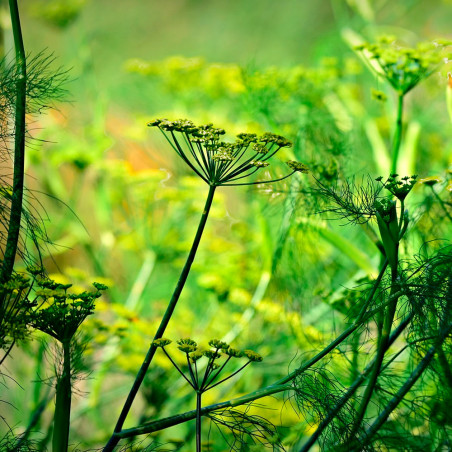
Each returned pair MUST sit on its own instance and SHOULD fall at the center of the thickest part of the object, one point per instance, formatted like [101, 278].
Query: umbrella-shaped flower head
[219, 162]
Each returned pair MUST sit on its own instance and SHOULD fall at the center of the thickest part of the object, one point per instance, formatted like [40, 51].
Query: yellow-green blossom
[218, 162]
[162, 342]
[253, 356]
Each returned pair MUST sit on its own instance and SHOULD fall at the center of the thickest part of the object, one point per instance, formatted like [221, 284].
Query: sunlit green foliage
[271, 273]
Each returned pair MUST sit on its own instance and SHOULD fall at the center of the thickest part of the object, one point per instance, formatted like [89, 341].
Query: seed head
[253, 356]
[162, 342]
[187, 345]
[403, 67]
[297, 166]
[218, 344]
[218, 162]
[212, 354]
[259, 164]
[400, 188]
[195, 356]
[98, 286]
[234, 353]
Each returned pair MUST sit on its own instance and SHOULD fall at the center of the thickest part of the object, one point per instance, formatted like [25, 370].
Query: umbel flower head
[399, 188]
[218, 356]
[60, 313]
[223, 163]
[404, 67]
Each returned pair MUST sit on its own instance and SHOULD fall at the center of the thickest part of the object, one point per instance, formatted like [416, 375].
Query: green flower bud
[253, 356]
[297, 166]
[162, 342]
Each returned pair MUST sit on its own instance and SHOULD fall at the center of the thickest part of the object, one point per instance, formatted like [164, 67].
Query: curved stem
[19, 146]
[260, 181]
[397, 134]
[164, 322]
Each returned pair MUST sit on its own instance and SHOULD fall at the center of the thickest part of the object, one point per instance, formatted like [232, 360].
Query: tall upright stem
[163, 324]
[381, 350]
[198, 421]
[397, 134]
[61, 423]
[351, 390]
[19, 146]
[405, 388]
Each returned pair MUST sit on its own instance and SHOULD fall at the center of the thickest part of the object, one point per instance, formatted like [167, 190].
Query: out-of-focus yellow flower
[431, 180]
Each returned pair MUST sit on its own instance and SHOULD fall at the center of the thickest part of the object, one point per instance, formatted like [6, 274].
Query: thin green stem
[226, 378]
[445, 364]
[198, 421]
[62, 418]
[441, 203]
[19, 147]
[8, 351]
[34, 420]
[352, 389]
[397, 134]
[260, 181]
[177, 367]
[409, 383]
[162, 424]
[164, 322]
[383, 341]
[279, 386]
[207, 373]
[218, 372]
[193, 376]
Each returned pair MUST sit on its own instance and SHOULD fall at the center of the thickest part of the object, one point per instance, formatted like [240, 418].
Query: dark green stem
[383, 341]
[445, 364]
[177, 419]
[279, 386]
[225, 379]
[19, 147]
[198, 421]
[164, 322]
[441, 203]
[409, 383]
[177, 368]
[351, 390]
[63, 404]
[34, 420]
[397, 134]
[260, 181]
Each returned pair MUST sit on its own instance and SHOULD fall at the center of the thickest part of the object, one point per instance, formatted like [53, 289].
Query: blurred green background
[120, 209]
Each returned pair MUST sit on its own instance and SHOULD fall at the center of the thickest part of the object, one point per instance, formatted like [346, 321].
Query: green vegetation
[314, 228]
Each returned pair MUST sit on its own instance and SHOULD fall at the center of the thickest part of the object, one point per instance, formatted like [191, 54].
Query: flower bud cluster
[404, 67]
[219, 162]
[203, 381]
[60, 313]
[399, 188]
